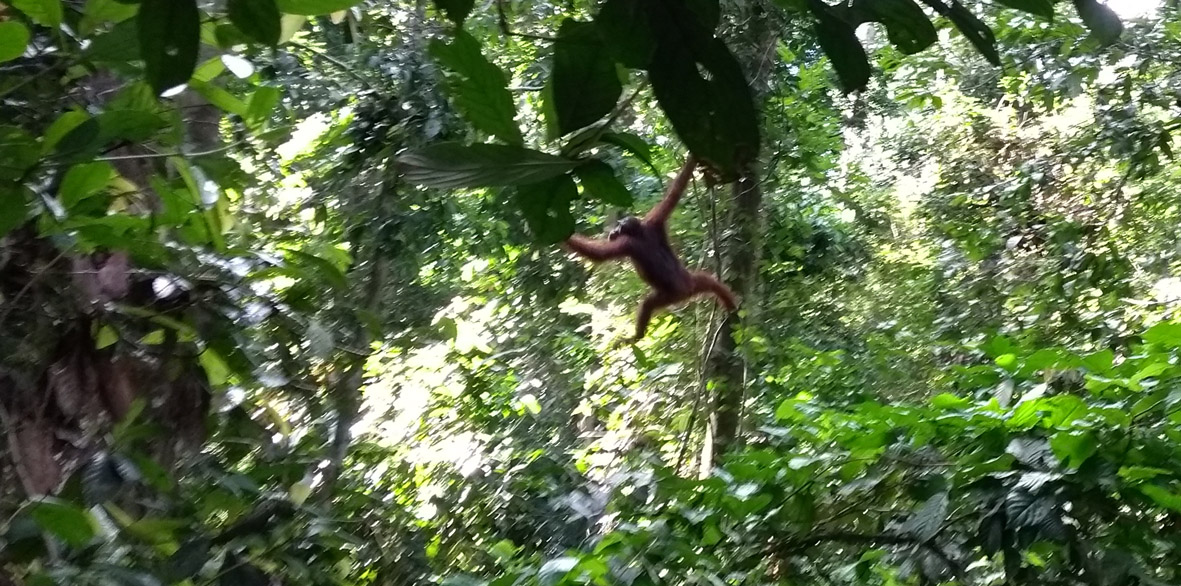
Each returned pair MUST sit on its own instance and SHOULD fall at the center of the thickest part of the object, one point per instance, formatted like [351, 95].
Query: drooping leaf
[907, 26]
[974, 29]
[65, 521]
[258, 19]
[585, 84]
[262, 103]
[14, 37]
[546, 207]
[169, 37]
[704, 93]
[1101, 19]
[478, 87]
[452, 165]
[47, 13]
[314, 7]
[838, 39]
[625, 27]
[598, 178]
[1042, 8]
[456, 10]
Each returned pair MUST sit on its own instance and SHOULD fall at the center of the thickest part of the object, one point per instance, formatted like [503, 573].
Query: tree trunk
[726, 368]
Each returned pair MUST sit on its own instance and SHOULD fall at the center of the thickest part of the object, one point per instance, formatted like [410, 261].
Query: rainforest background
[282, 300]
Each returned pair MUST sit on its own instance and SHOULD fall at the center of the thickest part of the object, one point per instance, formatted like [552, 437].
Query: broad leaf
[65, 521]
[478, 87]
[14, 37]
[546, 207]
[18, 151]
[314, 7]
[99, 12]
[598, 178]
[975, 31]
[456, 10]
[1073, 448]
[906, 24]
[262, 103]
[169, 36]
[839, 41]
[704, 93]
[1042, 8]
[14, 208]
[83, 181]
[1166, 334]
[452, 165]
[585, 83]
[1102, 21]
[258, 19]
[625, 27]
[47, 13]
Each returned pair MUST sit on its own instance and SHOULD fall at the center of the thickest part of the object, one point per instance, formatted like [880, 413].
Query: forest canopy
[286, 292]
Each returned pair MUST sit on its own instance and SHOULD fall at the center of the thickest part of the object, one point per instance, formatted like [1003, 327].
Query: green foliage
[478, 87]
[169, 37]
[585, 85]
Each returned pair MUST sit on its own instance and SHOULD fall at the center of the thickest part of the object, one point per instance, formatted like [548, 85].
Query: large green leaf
[83, 181]
[546, 207]
[632, 144]
[18, 152]
[258, 19]
[69, 523]
[169, 36]
[14, 37]
[1167, 334]
[43, 12]
[1074, 447]
[626, 28]
[314, 7]
[585, 83]
[14, 207]
[1102, 21]
[975, 31]
[838, 39]
[99, 12]
[456, 10]
[1162, 496]
[1042, 8]
[452, 165]
[478, 87]
[598, 178]
[906, 24]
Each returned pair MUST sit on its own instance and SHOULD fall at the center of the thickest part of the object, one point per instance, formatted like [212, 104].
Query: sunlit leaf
[14, 37]
[65, 521]
[1074, 447]
[83, 181]
[1162, 496]
[1167, 334]
[215, 367]
[314, 7]
[46, 13]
